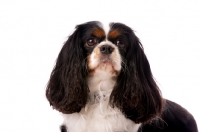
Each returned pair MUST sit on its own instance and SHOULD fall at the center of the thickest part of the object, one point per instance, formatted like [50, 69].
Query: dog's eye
[91, 41]
[119, 43]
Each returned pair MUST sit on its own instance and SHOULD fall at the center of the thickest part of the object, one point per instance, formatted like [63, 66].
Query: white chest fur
[98, 115]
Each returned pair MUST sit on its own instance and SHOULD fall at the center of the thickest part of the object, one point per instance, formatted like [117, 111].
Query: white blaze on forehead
[106, 28]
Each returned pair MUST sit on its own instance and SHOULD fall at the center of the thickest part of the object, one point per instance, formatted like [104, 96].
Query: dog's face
[105, 49]
[95, 48]
[105, 46]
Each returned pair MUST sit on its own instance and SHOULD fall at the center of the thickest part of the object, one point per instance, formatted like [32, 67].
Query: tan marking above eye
[114, 34]
[98, 33]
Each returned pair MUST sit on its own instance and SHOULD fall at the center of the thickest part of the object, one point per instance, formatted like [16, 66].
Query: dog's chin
[105, 66]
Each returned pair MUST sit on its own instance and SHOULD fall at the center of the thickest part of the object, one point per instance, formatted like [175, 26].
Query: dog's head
[95, 48]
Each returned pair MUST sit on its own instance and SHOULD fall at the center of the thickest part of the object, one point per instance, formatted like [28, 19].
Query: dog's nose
[106, 49]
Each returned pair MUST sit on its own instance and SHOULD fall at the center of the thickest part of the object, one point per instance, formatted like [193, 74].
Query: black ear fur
[67, 89]
[136, 93]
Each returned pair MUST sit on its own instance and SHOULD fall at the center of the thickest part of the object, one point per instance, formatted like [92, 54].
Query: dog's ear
[67, 89]
[136, 93]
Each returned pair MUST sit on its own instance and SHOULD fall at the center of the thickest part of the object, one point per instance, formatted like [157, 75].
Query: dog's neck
[101, 82]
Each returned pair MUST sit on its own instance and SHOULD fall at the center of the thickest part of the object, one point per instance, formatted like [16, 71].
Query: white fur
[98, 115]
[106, 28]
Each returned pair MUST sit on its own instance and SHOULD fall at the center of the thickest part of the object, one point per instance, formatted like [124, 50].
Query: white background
[32, 34]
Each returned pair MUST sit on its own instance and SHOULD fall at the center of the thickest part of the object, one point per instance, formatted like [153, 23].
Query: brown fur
[114, 33]
[98, 33]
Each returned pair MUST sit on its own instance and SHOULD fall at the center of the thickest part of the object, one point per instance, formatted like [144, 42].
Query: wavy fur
[140, 99]
[67, 89]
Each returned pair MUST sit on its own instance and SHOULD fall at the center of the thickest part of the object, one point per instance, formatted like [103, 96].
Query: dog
[102, 82]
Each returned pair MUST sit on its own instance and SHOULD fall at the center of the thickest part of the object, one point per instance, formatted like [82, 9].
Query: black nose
[106, 49]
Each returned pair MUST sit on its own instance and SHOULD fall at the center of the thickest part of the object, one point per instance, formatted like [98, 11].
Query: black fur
[63, 128]
[67, 90]
[136, 92]
[174, 118]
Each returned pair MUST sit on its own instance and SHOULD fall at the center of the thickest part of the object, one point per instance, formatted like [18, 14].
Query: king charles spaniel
[102, 82]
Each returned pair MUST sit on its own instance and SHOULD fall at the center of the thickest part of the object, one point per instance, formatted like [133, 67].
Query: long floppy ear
[67, 89]
[136, 93]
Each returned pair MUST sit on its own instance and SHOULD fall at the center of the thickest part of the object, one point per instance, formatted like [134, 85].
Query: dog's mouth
[105, 59]
[105, 63]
